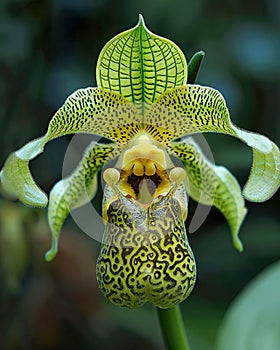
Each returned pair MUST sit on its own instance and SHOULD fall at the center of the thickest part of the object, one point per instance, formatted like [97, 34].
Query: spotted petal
[77, 189]
[193, 108]
[89, 110]
[212, 185]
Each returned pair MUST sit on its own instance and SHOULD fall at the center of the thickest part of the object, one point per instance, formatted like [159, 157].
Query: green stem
[172, 328]
[194, 65]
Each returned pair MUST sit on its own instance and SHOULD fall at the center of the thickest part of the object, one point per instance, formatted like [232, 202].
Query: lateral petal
[211, 185]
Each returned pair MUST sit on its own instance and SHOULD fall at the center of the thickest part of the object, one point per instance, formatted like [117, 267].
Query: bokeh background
[48, 49]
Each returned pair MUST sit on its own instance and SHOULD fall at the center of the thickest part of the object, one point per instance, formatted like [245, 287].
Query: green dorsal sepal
[140, 65]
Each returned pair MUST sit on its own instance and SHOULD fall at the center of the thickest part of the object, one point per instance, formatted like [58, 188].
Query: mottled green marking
[145, 255]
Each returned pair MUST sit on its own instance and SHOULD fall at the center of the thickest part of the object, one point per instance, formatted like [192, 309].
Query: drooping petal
[193, 108]
[16, 179]
[140, 65]
[77, 189]
[212, 185]
[89, 110]
[98, 112]
[264, 178]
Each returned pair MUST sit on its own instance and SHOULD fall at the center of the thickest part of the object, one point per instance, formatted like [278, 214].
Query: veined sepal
[140, 66]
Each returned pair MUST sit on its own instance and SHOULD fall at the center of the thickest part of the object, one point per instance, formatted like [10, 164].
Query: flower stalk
[172, 328]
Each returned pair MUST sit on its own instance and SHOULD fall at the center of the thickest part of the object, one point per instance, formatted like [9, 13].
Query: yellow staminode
[144, 157]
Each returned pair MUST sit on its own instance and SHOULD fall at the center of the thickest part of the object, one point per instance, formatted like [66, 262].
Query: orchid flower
[145, 107]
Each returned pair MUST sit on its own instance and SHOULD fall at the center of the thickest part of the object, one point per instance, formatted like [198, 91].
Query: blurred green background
[48, 49]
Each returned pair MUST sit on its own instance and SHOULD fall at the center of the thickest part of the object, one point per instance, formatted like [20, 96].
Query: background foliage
[48, 49]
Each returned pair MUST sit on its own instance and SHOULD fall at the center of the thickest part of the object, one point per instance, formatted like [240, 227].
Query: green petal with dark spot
[194, 108]
[212, 185]
[89, 110]
[77, 189]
